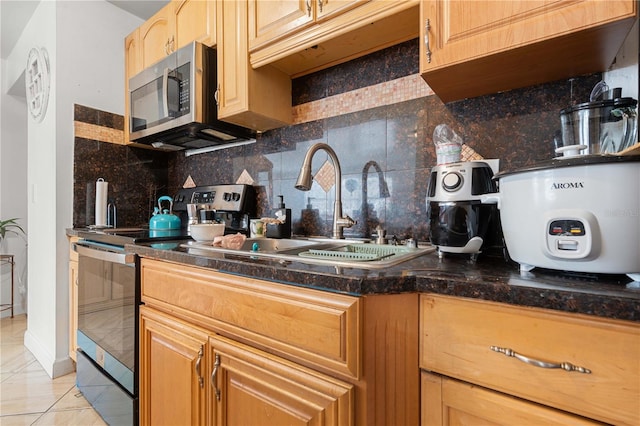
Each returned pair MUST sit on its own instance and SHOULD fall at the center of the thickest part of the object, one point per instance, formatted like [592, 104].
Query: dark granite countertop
[490, 278]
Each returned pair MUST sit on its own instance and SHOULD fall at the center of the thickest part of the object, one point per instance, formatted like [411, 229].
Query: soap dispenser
[283, 229]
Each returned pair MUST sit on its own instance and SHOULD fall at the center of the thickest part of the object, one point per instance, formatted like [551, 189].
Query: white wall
[85, 42]
[13, 187]
[625, 72]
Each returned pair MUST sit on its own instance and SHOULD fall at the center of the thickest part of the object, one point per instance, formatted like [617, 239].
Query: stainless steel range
[109, 296]
[108, 305]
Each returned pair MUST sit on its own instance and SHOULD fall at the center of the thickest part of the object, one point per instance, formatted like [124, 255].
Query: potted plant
[10, 225]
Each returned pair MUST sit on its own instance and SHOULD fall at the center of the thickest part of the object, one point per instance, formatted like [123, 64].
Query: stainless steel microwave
[173, 106]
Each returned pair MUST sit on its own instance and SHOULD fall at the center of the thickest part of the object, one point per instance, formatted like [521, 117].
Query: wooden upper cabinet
[155, 37]
[472, 48]
[271, 20]
[132, 66]
[298, 40]
[328, 8]
[259, 99]
[132, 63]
[194, 20]
[176, 25]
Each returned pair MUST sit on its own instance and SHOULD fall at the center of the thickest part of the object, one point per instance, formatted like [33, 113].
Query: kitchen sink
[321, 251]
[275, 245]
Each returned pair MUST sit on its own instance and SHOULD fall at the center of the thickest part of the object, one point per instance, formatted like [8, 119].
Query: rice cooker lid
[608, 103]
[576, 161]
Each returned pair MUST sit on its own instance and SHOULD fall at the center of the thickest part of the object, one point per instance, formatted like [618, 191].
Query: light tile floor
[28, 396]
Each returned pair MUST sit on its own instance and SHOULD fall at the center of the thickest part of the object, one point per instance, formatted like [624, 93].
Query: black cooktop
[122, 236]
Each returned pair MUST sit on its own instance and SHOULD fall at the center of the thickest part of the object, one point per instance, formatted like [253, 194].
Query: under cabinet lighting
[190, 152]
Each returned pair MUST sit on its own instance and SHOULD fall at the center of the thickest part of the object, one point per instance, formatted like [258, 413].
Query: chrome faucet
[304, 184]
[383, 189]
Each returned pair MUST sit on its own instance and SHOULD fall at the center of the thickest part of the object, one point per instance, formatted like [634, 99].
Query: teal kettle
[164, 219]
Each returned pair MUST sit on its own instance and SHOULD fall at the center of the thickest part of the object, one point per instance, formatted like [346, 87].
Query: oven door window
[163, 99]
[107, 306]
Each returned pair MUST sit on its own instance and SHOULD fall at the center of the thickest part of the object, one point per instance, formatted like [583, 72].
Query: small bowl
[206, 231]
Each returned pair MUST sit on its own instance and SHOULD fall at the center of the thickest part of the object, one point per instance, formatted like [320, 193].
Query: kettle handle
[166, 198]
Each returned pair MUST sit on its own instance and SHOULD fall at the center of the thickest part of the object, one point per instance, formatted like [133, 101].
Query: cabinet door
[73, 308]
[194, 20]
[271, 20]
[449, 402]
[155, 40]
[132, 62]
[132, 66]
[259, 99]
[173, 360]
[479, 47]
[251, 387]
[233, 66]
[326, 9]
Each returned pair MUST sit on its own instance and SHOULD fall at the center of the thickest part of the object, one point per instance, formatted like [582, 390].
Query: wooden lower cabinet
[173, 364]
[251, 387]
[73, 299]
[274, 353]
[191, 377]
[450, 402]
[510, 365]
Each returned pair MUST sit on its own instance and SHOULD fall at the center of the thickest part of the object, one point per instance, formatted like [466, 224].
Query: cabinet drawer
[313, 327]
[457, 336]
[447, 401]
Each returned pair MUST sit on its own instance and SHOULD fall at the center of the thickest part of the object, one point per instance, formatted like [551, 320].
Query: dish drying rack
[357, 252]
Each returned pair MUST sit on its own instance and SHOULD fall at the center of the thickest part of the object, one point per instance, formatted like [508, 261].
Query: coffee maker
[231, 204]
[459, 222]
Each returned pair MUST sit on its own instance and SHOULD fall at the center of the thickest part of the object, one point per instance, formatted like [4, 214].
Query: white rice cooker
[577, 214]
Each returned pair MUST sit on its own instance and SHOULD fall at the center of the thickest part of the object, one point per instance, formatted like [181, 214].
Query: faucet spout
[304, 184]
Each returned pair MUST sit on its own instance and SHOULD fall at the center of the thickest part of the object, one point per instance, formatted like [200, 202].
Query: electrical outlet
[100, 356]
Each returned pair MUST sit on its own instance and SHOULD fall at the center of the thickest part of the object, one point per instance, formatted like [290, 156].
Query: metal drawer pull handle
[542, 364]
[308, 2]
[198, 362]
[320, 4]
[214, 375]
[427, 27]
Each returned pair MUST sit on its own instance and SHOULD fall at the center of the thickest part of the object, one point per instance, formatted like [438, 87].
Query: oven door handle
[105, 255]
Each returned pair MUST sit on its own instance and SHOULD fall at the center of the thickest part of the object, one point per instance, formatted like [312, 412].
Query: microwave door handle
[107, 256]
[165, 92]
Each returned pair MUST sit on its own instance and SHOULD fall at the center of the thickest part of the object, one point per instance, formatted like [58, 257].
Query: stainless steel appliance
[109, 296]
[578, 214]
[173, 103]
[107, 332]
[231, 204]
[108, 306]
[458, 220]
[607, 124]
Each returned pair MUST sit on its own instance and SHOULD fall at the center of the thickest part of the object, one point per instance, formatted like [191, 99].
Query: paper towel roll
[102, 188]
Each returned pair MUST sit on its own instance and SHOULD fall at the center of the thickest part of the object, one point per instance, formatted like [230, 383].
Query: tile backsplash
[377, 114]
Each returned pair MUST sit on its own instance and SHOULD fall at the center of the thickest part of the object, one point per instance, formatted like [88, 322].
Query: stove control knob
[236, 196]
[227, 196]
[452, 181]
